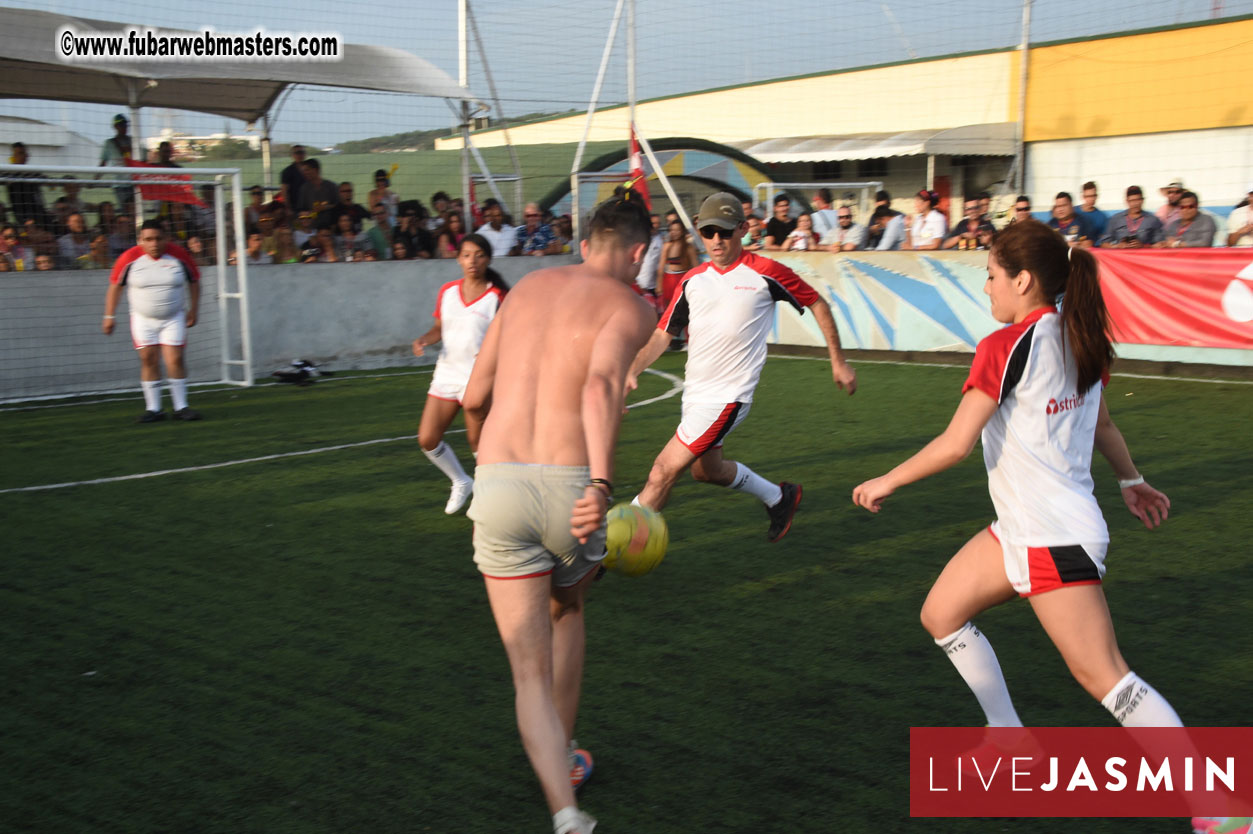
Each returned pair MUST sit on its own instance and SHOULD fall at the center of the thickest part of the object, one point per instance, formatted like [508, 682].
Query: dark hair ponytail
[1061, 270]
[492, 276]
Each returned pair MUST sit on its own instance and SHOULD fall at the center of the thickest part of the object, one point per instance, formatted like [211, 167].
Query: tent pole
[600, 80]
[136, 146]
[267, 165]
[463, 78]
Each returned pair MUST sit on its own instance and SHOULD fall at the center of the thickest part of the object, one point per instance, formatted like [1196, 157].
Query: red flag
[476, 213]
[638, 180]
[165, 192]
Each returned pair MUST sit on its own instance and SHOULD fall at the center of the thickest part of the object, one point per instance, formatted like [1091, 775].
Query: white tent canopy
[31, 68]
[969, 140]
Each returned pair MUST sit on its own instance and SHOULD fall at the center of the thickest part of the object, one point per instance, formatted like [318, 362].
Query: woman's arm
[427, 339]
[1147, 504]
[951, 447]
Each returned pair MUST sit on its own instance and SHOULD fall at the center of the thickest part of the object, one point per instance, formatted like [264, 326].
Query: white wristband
[1130, 482]
[107, 316]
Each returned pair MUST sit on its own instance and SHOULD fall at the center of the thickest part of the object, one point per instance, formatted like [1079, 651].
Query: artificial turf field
[302, 644]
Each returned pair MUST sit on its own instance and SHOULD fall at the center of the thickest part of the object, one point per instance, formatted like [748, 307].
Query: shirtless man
[552, 372]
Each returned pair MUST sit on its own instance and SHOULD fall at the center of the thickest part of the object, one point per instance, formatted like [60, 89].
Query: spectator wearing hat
[293, 177]
[1240, 223]
[1132, 229]
[1169, 213]
[1192, 229]
[382, 193]
[115, 152]
[927, 228]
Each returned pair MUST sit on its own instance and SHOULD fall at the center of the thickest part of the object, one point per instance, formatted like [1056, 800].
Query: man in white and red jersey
[727, 305]
[155, 273]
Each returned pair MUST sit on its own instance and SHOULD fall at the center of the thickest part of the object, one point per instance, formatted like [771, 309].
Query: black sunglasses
[709, 232]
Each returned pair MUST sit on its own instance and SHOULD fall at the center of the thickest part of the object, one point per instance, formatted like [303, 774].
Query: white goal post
[51, 344]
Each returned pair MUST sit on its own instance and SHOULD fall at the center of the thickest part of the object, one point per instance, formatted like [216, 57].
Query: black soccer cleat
[151, 417]
[782, 512]
[186, 414]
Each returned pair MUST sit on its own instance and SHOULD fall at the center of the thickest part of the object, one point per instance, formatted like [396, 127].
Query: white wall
[1216, 164]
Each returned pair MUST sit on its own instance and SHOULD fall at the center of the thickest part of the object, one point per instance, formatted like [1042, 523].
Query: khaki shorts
[521, 515]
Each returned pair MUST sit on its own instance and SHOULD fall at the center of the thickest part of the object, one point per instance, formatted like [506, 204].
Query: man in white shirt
[498, 233]
[823, 215]
[1240, 224]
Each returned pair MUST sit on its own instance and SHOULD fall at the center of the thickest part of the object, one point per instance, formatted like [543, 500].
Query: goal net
[63, 229]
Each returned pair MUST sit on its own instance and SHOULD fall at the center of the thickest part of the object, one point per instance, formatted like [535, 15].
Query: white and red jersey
[1038, 445]
[154, 286]
[728, 314]
[463, 324]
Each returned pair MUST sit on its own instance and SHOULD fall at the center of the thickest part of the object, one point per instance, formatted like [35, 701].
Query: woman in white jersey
[463, 310]
[1035, 392]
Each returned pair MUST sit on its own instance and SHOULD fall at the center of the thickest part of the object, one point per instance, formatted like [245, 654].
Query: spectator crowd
[311, 219]
[306, 219]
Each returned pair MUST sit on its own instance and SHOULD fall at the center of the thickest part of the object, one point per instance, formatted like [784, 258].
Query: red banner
[1080, 772]
[164, 192]
[1195, 297]
[638, 181]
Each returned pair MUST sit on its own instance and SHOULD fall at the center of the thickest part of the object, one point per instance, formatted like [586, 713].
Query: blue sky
[544, 54]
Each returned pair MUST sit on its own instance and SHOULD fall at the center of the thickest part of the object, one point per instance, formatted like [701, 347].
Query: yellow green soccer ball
[636, 539]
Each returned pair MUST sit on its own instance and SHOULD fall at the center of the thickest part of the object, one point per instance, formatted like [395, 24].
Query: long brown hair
[1062, 271]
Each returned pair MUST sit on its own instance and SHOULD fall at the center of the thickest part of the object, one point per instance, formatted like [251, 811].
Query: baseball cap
[120, 119]
[1134, 191]
[722, 210]
[1175, 183]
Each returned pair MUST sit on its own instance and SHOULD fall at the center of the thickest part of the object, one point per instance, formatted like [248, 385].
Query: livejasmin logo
[1064, 404]
[1024, 774]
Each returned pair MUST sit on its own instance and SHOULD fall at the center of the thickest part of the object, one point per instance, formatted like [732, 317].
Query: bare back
[558, 329]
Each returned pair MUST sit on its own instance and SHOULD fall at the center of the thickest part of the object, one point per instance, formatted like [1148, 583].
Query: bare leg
[566, 610]
[150, 363]
[1077, 621]
[437, 416]
[972, 582]
[173, 356]
[521, 609]
[669, 465]
[712, 468]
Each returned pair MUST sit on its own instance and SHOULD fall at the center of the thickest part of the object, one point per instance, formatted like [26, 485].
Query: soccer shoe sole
[790, 515]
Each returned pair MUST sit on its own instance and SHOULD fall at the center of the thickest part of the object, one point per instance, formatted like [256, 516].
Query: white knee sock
[446, 459]
[972, 654]
[570, 820]
[178, 393]
[152, 394]
[1136, 704]
[746, 480]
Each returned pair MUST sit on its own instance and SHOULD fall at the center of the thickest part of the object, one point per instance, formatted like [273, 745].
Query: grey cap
[722, 210]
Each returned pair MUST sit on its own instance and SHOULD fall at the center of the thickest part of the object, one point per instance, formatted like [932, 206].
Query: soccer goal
[57, 273]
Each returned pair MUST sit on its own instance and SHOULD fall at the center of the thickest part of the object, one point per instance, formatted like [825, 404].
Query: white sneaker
[461, 492]
[571, 820]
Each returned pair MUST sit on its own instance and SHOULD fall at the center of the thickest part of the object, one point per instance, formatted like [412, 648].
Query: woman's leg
[973, 581]
[1076, 618]
[437, 415]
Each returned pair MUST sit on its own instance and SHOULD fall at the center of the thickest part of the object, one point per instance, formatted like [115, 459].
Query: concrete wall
[353, 316]
[347, 316]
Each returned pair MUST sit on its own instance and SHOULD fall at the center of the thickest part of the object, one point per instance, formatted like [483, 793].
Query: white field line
[967, 368]
[676, 385]
[199, 387]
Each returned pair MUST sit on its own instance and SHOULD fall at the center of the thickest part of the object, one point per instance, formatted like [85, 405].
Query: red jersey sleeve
[803, 294]
[123, 263]
[988, 367]
[439, 296]
[193, 271]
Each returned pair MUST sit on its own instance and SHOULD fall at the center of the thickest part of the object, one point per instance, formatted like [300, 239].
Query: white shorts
[1034, 570]
[445, 390]
[146, 332]
[704, 425]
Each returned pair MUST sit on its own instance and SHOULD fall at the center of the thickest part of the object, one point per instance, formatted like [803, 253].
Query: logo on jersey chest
[1065, 404]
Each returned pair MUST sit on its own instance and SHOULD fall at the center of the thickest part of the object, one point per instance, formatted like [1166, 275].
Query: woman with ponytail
[1035, 393]
[463, 310]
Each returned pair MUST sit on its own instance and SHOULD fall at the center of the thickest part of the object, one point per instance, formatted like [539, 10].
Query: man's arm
[654, 347]
[193, 302]
[604, 394]
[110, 308]
[843, 374]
